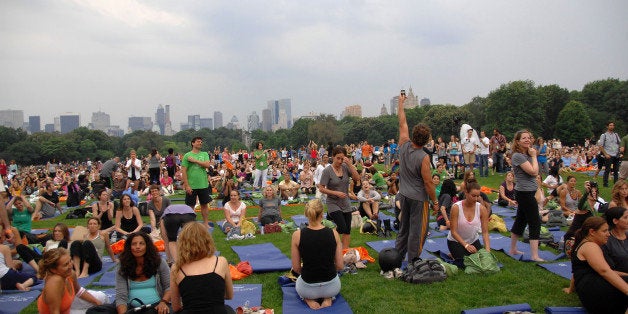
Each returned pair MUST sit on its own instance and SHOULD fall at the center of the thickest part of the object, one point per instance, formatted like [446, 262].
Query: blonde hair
[314, 209]
[50, 260]
[615, 196]
[194, 243]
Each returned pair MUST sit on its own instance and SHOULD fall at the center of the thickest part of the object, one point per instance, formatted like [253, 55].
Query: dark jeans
[483, 165]
[614, 161]
[498, 161]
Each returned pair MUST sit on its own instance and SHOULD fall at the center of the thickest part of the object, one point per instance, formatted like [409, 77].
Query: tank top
[128, 224]
[468, 230]
[153, 162]
[66, 300]
[317, 249]
[508, 193]
[570, 202]
[99, 244]
[411, 183]
[196, 295]
[105, 222]
[4, 269]
[22, 219]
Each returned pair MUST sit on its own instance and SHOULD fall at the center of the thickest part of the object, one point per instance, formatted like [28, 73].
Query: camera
[403, 92]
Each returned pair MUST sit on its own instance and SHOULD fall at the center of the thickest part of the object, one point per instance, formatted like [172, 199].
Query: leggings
[527, 213]
[458, 252]
[86, 252]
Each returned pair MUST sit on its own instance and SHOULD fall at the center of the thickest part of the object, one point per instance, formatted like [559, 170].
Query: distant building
[100, 121]
[425, 102]
[267, 121]
[253, 122]
[234, 124]
[140, 124]
[217, 119]
[352, 111]
[412, 101]
[383, 111]
[168, 123]
[276, 107]
[114, 130]
[194, 122]
[310, 115]
[12, 118]
[34, 124]
[49, 128]
[185, 126]
[68, 122]
[160, 119]
[207, 123]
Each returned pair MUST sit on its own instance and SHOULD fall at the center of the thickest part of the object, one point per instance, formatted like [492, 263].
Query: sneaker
[388, 274]
[397, 272]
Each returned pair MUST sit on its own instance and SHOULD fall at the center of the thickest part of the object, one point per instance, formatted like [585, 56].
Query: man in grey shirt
[416, 188]
[609, 147]
[108, 168]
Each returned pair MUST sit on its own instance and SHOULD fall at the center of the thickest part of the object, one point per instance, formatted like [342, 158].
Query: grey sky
[125, 57]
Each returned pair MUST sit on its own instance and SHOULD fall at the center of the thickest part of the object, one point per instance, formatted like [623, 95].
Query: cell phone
[403, 92]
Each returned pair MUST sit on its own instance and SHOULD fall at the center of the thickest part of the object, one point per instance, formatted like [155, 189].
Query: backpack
[424, 271]
[482, 262]
[556, 219]
[77, 213]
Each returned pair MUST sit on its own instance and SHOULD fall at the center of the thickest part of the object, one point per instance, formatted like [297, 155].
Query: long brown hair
[516, 147]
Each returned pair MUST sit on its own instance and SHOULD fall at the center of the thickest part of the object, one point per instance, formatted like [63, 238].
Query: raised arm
[404, 135]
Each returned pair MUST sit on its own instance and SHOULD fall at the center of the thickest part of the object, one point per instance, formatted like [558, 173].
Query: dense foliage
[549, 111]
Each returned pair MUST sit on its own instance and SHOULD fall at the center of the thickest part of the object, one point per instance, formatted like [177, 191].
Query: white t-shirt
[468, 144]
[551, 180]
[484, 150]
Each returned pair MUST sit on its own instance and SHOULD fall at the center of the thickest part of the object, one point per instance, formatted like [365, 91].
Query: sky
[125, 57]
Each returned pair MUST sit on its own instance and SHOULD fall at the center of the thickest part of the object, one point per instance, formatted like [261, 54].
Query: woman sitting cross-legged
[235, 212]
[10, 277]
[270, 207]
[600, 289]
[196, 289]
[369, 199]
[467, 217]
[320, 250]
[142, 276]
[128, 218]
[87, 253]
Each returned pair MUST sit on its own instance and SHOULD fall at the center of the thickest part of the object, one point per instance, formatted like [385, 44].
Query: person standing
[469, 145]
[133, 167]
[194, 177]
[335, 184]
[484, 146]
[171, 163]
[498, 148]
[623, 149]
[261, 166]
[525, 167]
[415, 186]
[609, 147]
[154, 166]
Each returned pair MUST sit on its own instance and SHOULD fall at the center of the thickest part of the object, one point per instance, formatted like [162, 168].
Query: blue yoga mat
[436, 245]
[503, 211]
[299, 219]
[499, 309]
[106, 266]
[263, 257]
[246, 292]
[499, 242]
[108, 279]
[292, 303]
[16, 302]
[562, 269]
[564, 310]
[558, 235]
[382, 244]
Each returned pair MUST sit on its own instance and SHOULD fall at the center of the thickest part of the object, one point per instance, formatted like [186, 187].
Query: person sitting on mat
[320, 250]
[235, 212]
[467, 218]
[87, 253]
[270, 207]
[369, 200]
[10, 277]
[193, 288]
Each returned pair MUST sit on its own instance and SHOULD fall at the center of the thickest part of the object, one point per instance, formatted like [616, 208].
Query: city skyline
[129, 56]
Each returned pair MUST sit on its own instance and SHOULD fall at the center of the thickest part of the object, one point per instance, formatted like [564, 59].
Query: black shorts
[173, 222]
[204, 197]
[342, 221]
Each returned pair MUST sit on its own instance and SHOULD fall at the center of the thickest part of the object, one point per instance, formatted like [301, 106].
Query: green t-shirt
[379, 179]
[261, 159]
[197, 175]
[21, 219]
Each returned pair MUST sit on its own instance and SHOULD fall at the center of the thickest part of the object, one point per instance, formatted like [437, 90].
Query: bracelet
[466, 245]
[80, 292]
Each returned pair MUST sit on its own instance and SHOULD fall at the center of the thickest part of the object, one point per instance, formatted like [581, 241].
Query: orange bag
[364, 254]
[118, 247]
[160, 245]
[245, 268]
[235, 273]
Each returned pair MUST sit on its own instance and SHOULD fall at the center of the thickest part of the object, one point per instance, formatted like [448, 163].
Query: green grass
[368, 292]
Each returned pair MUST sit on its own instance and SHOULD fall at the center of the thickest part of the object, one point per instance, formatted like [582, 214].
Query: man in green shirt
[194, 176]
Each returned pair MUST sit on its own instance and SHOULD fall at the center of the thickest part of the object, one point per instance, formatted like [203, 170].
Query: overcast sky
[125, 57]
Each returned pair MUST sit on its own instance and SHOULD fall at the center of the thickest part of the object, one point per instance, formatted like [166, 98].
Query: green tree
[573, 123]
[298, 133]
[445, 120]
[512, 107]
[324, 129]
[476, 110]
[552, 99]
[596, 96]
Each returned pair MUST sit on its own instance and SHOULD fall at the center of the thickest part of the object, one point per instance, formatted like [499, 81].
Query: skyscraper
[12, 118]
[69, 122]
[252, 122]
[276, 106]
[234, 124]
[194, 122]
[140, 123]
[217, 119]
[100, 121]
[412, 101]
[160, 119]
[383, 111]
[207, 123]
[267, 121]
[49, 127]
[34, 124]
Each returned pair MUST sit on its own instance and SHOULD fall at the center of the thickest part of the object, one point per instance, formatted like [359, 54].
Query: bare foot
[21, 287]
[515, 252]
[567, 290]
[326, 303]
[537, 259]
[312, 304]
[83, 275]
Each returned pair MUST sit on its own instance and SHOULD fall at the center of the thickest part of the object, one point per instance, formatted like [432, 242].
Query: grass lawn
[368, 292]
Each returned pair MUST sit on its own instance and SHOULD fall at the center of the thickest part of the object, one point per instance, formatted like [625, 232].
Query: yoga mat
[16, 302]
[299, 219]
[38, 286]
[564, 310]
[106, 266]
[108, 279]
[558, 235]
[562, 269]
[503, 211]
[265, 257]
[499, 242]
[499, 309]
[380, 245]
[436, 245]
[246, 292]
[292, 303]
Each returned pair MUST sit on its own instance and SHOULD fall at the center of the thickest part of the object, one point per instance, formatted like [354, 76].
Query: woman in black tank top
[193, 289]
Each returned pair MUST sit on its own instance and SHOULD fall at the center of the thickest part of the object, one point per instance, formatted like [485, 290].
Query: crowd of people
[416, 177]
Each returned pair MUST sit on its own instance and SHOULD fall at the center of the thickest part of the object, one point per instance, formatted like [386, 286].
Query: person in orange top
[61, 285]
[367, 151]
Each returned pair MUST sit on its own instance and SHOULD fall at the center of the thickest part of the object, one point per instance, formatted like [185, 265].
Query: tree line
[549, 111]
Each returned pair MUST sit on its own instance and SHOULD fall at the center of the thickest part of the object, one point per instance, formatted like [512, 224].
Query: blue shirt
[135, 197]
